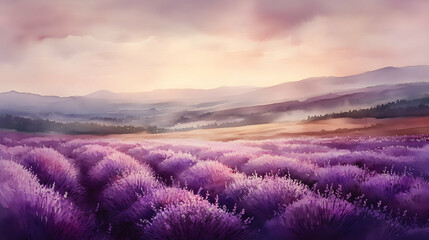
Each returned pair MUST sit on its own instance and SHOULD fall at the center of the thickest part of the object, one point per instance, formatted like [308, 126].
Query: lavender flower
[195, 220]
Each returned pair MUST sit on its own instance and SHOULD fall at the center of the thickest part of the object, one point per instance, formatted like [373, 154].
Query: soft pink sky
[75, 47]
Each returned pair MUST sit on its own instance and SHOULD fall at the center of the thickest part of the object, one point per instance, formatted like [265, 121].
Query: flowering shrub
[67, 148]
[132, 220]
[46, 215]
[211, 154]
[31, 211]
[16, 152]
[113, 167]
[385, 186]
[235, 159]
[282, 166]
[151, 157]
[209, 175]
[174, 165]
[52, 169]
[265, 199]
[14, 177]
[240, 187]
[123, 192]
[138, 152]
[195, 220]
[147, 205]
[320, 218]
[348, 177]
[89, 155]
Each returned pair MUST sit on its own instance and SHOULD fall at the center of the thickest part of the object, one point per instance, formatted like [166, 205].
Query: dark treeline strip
[30, 125]
[399, 108]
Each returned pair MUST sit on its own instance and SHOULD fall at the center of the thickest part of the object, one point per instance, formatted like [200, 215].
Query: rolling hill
[226, 106]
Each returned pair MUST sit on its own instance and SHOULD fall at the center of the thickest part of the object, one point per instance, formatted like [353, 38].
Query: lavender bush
[123, 192]
[52, 169]
[212, 176]
[320, 218]
[172, 166]
[32, 211]
[195, 220]
[348, 177]
[113, 167]
[131, 221]
[265, 199]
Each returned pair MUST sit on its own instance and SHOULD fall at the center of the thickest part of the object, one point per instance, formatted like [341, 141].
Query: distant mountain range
[298, 110]
[312, 87]
[286, 91]
[226, 106]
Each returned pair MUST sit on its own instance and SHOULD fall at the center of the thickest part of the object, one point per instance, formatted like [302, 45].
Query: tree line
[399, 108]
[37, 125]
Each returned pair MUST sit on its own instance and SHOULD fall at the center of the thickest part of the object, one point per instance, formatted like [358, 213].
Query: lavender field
[296, 188]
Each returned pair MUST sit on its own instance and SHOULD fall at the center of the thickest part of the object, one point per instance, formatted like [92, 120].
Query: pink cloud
[39, 19]
[232, 42]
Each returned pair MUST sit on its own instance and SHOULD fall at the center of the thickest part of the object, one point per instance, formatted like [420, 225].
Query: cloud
[24, 21]
[39, 19]
[133, 45]
[280, 17]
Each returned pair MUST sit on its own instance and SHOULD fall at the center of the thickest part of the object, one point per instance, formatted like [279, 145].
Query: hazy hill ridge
[176, 108]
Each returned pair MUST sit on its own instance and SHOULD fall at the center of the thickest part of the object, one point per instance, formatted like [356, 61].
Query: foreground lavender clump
[320, 218]
[32, 211]
[52, 169]
[195, 220]
[350, 188]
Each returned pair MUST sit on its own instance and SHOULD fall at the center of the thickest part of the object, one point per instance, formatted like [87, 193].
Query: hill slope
[324, 85]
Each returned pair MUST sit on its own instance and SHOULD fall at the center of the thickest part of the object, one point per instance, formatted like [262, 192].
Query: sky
[68, 47]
